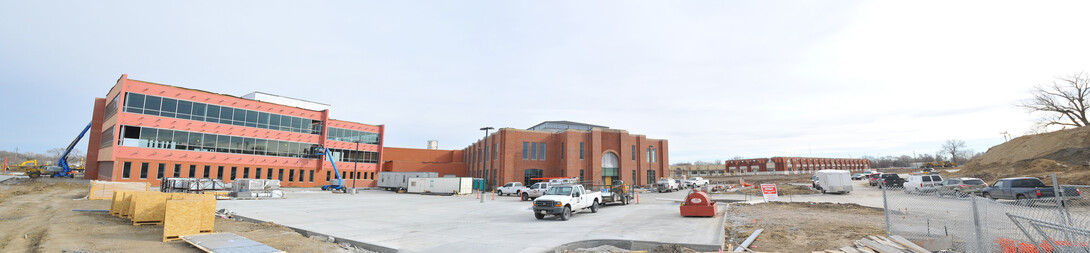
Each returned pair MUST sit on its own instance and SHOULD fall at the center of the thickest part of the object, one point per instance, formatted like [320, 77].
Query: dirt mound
[1066, 152]
[1036, 146]
[801, 227]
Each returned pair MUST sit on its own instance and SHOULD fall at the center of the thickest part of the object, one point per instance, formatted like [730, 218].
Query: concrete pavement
[420, 223]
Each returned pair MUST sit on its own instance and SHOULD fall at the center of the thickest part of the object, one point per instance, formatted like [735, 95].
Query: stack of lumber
[881, 244]
[180, 214]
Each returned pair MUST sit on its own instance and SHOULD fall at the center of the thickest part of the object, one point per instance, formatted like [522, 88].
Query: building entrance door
[610, 167]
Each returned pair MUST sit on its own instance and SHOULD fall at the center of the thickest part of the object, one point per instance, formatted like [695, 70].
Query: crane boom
[63, 162]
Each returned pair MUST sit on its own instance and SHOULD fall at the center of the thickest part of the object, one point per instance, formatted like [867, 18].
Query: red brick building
[143, 131]
[793, 165]
[567, 149]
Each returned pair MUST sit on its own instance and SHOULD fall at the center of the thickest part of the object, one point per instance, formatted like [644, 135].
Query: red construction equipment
[698, 204]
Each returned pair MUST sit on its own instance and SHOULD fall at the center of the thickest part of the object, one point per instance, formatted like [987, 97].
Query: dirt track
[37, 216]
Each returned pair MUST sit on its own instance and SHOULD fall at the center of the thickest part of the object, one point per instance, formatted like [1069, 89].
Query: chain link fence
[960, 218]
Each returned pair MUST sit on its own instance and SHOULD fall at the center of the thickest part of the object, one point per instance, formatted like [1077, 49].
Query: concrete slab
[419, 223]
[861, 194]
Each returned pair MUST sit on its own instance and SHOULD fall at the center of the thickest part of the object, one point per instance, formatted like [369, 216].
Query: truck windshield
[559, 190]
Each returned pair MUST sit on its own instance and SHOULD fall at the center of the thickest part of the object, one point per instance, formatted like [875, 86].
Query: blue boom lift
[340, 182]
[63, 170]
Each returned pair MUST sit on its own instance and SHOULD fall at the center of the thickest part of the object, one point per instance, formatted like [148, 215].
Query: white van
[833, 181]
[922, 183]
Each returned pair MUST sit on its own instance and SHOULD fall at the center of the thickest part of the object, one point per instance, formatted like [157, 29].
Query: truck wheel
[822, 191]
[566, 214]
[525, 196]
[34, 174]
[539, 216]
[1020, 196]
[594, 207]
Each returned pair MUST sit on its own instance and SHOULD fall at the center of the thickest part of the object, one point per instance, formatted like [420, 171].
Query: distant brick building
[774, 165]
[549, 149]
[567, 149]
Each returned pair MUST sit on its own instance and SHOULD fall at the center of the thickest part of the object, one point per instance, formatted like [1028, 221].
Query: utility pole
[486, 129]
[355, 165]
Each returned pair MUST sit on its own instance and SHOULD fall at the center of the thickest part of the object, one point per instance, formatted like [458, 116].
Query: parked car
[509, 188]
[962, 186]
[922, 183]
[666, 185]
[1025, 188]
[873, 179]
[562, 200]
[696, 182]
[890, 180]
[858, 176]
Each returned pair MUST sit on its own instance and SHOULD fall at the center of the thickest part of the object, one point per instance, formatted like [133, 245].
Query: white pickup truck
[561, 200]
[695, 182]
[515, 188]
[536, 190]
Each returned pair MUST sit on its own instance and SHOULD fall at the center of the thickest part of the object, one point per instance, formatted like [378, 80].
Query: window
[177, 170]
[291, 175]
[327, 175]
[193, 171]
[219, 172]
[633, 171]
[245, 172]
[525, 150]
[111, 108]
[207, 171]
[580, 153]
[650, 177]
[357, 175]
[181, 140]
[541, 150]
[533, 151]
[174, 108]
[311, 176]
[233, 169]
[580, 175]
[348, 135]
[107, 138]
[633, 156]
[494, 151]
[270, 173]
[143, 170]
[125, 170]
[257, 173]
[280, 175]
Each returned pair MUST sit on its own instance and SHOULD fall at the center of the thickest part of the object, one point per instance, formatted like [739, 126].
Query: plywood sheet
[181, 219]
[115, 204]
[149, 208]
[207, 215]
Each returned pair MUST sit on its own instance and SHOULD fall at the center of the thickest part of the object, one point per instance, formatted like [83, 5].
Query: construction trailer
[441, 185]
[834, 181]
[400, 180]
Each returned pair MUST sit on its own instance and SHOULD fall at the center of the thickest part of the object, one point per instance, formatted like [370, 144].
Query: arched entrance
[610, 167]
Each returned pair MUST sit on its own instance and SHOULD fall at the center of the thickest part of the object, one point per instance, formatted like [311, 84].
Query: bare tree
[1063, 103]
[955, 148]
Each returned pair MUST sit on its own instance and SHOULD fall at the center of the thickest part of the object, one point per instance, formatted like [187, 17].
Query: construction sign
[769, 191]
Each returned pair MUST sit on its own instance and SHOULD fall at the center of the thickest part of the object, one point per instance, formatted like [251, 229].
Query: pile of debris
[882, 244]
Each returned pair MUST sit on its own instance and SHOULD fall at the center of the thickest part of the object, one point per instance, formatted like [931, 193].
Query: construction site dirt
[801, 227]
[37, 215]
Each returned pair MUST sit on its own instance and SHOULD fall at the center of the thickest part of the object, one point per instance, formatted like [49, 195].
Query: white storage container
[455, 185]
[834, 181]
[400, 180]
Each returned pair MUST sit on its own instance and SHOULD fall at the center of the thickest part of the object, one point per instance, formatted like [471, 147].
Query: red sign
[768, 189]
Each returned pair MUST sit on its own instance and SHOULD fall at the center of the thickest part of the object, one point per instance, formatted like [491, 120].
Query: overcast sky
[718, 79]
